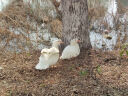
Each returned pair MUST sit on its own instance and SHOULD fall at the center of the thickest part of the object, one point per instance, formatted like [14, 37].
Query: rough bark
[75, 22]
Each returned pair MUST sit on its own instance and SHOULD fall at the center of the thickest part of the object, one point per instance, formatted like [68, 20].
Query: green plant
[98, 69]
[42, 85]
[83, 72]
[9, 93]
[124, 49]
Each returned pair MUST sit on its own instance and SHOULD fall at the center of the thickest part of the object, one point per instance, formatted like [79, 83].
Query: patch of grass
[70, 68]
[9, 93]
[42, 85]
[27, 81]
[83, 72]
[124, 49]
[28, 54]
[98, 69]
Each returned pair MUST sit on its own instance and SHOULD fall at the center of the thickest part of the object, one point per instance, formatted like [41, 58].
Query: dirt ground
[93, 73]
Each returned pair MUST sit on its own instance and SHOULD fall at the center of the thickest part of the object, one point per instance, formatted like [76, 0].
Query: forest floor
[93, 73]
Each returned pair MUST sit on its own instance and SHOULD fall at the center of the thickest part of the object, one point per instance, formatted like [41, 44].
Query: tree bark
[75, 22]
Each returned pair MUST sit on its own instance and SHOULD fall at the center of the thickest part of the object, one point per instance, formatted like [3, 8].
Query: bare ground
[93, 73]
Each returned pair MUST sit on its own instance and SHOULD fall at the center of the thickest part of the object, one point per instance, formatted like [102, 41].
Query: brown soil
[93, 73]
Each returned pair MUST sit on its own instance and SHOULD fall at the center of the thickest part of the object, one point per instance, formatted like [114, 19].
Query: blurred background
[27, 25]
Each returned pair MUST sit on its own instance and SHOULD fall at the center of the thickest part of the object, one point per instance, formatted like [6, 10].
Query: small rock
[103, 44]
[1, 68]
[108, 37]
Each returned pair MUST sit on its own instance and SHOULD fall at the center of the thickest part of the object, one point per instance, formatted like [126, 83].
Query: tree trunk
[75, 22]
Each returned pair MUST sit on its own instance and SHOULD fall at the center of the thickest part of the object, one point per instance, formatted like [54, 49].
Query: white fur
[71, 50]
[48, 57]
